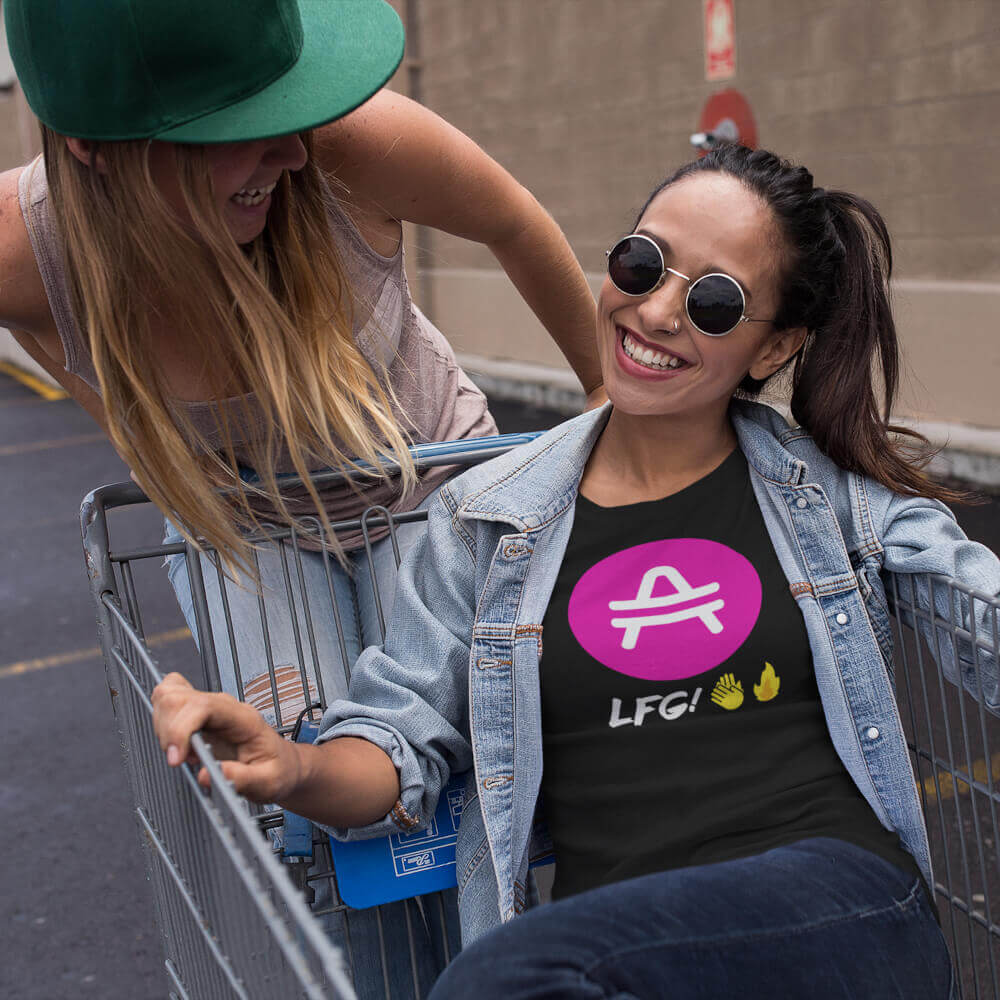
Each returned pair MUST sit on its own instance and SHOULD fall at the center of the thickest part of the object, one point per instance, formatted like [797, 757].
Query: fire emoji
[769, 684]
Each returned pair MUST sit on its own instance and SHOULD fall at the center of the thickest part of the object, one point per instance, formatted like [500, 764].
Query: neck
[641, 458]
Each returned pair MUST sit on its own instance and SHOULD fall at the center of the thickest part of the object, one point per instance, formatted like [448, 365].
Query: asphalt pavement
[75, 908]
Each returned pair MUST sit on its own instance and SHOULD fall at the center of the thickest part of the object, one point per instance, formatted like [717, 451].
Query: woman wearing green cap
[218, 279]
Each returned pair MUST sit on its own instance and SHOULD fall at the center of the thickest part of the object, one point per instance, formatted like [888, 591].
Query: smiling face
[655, 362]
[243, 176]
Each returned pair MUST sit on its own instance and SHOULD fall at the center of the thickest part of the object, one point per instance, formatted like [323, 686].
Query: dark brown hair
[835, 283]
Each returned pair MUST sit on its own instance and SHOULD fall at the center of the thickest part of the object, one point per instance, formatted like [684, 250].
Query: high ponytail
[835, 283]
[845, 381]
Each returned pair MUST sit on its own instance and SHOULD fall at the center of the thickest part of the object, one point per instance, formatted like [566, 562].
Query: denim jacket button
[872, 733]
[842, 619]
[802, 503]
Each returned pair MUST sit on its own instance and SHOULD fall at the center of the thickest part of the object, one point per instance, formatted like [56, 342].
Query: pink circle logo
[666, 610]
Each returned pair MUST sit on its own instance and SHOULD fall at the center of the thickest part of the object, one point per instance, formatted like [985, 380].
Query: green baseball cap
[199, 70]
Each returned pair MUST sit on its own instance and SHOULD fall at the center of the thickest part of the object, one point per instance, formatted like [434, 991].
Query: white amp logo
[644, 601]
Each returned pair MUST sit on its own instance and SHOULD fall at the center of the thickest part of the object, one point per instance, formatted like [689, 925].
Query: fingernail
[173, 755]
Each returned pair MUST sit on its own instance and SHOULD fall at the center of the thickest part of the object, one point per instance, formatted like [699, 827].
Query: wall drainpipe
[422, 235]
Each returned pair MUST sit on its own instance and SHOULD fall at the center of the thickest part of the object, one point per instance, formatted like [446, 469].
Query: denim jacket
[455, 687]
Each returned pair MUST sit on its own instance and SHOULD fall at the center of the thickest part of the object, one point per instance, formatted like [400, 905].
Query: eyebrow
[710, 269]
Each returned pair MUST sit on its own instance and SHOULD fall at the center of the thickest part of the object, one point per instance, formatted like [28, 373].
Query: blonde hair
[274, 318]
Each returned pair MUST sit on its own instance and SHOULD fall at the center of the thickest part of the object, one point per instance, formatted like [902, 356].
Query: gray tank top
[436, 399]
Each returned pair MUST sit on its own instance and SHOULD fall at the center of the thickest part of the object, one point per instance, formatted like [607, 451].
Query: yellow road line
[35, 384]
[23, 449]
[948, 784]
[78, 655]
[22, 401]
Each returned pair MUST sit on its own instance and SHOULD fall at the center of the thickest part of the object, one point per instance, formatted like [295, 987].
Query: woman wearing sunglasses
[677, 603]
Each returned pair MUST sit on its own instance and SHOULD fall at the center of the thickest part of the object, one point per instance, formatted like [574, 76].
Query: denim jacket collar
[539, 481]
[536, 483]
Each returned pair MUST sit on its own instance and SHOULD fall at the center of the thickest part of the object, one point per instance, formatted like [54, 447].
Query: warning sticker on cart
[370, 872]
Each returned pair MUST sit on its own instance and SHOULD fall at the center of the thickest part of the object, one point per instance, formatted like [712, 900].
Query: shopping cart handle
[465, 451]
[471, 446]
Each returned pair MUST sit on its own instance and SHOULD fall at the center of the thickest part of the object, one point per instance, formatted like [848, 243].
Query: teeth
[647, 356]
[253, 196]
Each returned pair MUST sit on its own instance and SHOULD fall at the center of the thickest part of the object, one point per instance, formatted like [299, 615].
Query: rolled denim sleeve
[921, 538]
[410, 696]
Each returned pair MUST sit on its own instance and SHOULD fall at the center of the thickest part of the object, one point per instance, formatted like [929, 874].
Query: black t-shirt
[681, 720]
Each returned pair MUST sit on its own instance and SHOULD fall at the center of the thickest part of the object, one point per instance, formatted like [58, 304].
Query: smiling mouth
[648, 357]
[253, 196]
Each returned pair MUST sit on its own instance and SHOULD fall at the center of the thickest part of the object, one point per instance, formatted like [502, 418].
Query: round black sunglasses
[715, 303]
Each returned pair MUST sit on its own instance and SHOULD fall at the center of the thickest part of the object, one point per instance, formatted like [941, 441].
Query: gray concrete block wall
[590, 102]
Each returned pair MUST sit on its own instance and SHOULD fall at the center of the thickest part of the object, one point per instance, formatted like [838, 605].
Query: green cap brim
[350, 50]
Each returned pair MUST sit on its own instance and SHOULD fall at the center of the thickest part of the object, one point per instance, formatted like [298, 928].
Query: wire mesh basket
[235, 920]
[955, 751]
[234, 923]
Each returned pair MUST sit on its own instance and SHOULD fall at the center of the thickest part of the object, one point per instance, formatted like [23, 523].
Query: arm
[410, 697]
[345, 782]
[921, 538]
[401, 162]
[76, 387]
[24, 306]
[381, 758]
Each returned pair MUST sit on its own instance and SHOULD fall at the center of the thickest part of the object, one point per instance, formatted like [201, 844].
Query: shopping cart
[234, 918]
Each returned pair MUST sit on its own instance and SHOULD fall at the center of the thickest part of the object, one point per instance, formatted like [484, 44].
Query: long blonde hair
[273, 319]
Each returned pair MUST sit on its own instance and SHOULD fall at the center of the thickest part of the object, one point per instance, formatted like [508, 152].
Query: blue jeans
[819, 920]
[293, 614]
[298, 627]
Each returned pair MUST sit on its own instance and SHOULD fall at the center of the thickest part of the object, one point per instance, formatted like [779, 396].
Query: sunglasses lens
[634, 265]
[715, 304]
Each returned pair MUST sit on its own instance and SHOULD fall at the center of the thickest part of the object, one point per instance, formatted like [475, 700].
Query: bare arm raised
[401, 162]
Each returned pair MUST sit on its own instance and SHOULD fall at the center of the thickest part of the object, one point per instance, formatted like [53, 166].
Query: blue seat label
[402, 865]
[386, 869]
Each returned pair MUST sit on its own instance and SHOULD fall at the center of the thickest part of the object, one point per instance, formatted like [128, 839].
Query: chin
[244, 234]
[641, 402]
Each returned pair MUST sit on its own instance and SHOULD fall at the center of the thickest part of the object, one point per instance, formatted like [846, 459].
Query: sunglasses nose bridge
[683, 286]
[666, 303]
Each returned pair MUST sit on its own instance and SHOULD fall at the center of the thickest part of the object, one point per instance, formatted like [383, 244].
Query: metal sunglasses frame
[664, 271]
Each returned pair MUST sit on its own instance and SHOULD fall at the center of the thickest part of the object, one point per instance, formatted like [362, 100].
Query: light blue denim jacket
[455, 688]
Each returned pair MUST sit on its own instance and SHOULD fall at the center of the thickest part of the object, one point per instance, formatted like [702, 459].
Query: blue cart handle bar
[466, 451]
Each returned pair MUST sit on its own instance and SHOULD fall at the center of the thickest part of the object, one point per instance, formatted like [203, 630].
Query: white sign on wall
[720, 40]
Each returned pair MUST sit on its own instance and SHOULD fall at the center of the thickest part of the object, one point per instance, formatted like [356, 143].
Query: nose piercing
[677, 326]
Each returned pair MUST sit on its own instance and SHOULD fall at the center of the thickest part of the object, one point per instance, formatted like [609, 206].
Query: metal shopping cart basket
[234, 924]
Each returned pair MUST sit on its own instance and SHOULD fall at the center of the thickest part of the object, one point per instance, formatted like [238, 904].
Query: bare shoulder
[370, 134]
[23, 302]
[357, 152]
[400, 161]
[392, 143]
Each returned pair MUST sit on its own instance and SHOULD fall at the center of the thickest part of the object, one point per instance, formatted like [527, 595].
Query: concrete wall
[591, 102]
